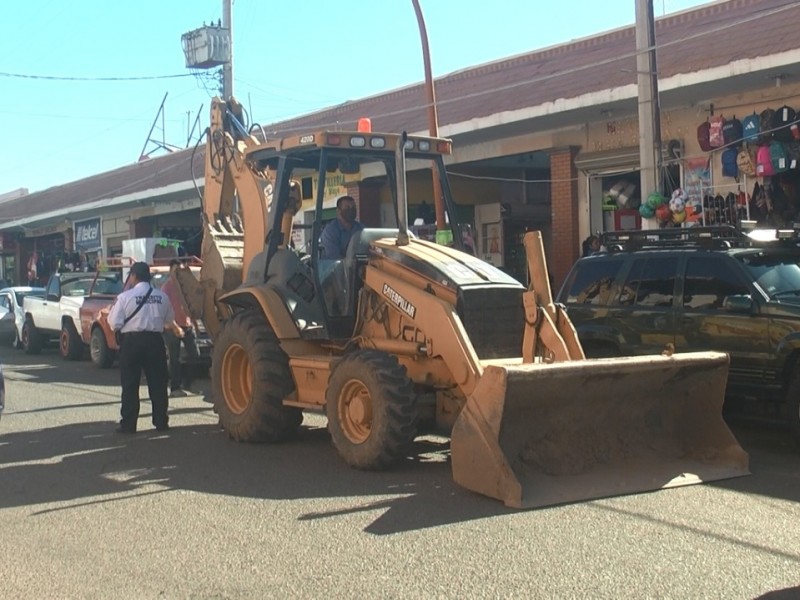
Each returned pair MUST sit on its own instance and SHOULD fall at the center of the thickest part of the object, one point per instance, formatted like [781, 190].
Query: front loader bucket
[541, 434]
[222, 253]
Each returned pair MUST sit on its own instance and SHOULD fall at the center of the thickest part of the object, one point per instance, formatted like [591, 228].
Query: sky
[63, 119]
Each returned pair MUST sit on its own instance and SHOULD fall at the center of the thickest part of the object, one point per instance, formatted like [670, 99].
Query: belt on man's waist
[139, 332]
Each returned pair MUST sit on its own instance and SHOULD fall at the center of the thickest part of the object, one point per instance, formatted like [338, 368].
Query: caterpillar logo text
[398, 300]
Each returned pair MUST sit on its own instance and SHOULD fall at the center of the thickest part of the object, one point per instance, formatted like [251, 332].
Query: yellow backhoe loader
[402, 334]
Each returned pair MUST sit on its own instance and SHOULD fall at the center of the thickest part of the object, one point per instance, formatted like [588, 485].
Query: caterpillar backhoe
[403, 334]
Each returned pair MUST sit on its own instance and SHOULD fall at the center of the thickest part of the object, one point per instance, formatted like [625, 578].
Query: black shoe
[122, 429]
[162, 428]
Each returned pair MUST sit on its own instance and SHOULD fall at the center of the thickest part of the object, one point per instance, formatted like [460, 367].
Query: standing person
[183, 330]
[591, 245]
[338, 232]
[140, 315]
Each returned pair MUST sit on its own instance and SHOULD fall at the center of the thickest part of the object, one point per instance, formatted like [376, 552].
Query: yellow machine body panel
[368, 337]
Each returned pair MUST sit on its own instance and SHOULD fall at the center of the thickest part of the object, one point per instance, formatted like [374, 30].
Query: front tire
[250, 377]
[371, 407]
[70, 343]
[31, 338]
[102, 355]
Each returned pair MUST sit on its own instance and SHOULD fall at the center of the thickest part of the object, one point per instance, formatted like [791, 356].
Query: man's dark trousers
[143, 351]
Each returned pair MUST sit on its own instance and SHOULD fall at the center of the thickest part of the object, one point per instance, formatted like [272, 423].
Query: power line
[66, 78]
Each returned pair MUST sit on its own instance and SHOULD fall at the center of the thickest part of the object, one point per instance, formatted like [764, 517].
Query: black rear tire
[371, 407]
[250, 377]
[102, 356]
[32, 340]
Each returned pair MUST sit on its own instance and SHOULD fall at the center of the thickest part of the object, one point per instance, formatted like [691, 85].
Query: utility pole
[227, 68]
[649, 114]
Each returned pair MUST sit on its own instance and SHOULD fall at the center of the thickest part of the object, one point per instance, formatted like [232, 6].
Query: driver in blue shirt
[338, 232]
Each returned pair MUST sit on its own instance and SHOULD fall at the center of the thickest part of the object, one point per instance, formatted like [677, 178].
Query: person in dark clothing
[140, 315]
[338, 232]
[591, 245]
[182, 332]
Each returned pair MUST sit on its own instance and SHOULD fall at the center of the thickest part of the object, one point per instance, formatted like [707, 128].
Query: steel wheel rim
[94, 348]
[64, 343]
[355, 411]
[25, 336]
[236, 379]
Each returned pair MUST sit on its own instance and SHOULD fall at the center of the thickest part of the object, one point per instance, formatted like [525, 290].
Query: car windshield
[34, 292]
[778, 274]
[108, 284]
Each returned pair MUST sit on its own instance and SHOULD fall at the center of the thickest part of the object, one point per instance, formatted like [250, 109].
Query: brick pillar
[368, 204]
[564, 208]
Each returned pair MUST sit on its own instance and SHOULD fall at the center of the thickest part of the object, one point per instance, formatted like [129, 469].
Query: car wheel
[102, 355]
[31, 338]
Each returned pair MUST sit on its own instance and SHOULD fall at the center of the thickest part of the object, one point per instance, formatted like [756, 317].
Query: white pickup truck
[57, 314]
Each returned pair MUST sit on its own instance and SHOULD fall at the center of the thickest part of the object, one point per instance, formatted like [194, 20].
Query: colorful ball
[647, 211]
[663, 213]
[677, 204]
[679, 217]
[655, 200]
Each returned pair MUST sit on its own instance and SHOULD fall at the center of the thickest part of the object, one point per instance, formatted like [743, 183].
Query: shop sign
[46, 230]
[87, 235]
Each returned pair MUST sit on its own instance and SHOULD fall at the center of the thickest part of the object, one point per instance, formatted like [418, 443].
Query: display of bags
[764, 162]
[777, 156]
[745, 162]
[751, 127]
[732, 132]
[703, 136]
[781, 121]
[729, 159]
[715, 136]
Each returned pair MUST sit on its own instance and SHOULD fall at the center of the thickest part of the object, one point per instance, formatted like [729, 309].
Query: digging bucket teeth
[538, 434]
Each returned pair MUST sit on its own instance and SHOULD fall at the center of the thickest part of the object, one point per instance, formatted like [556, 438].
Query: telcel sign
[87, 234]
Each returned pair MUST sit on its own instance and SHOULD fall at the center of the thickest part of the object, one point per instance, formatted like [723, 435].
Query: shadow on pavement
[87, 461]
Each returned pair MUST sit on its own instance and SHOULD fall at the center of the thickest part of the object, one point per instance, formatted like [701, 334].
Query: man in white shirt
[141, 314]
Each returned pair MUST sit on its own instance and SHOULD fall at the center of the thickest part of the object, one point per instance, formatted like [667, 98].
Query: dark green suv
[698, 289]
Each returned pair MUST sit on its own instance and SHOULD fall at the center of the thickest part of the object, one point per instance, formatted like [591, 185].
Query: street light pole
[649, 116]
[433, 120]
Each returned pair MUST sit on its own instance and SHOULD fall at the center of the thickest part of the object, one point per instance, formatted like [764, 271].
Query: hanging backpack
[745, 162]
[781, 121]
[703, 135]
[765, 134]
[715, 137]
[764, 162]
[793, 154]
[777, 156]
[729, 162]
[751, 127]
[732, 132]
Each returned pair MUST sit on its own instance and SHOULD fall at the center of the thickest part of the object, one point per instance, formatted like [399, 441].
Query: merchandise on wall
[759, 153]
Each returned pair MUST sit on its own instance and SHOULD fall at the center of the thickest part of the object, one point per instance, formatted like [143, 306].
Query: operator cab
[321, 293]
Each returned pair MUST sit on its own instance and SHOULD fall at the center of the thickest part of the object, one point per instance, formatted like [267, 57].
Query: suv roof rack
[716, 237]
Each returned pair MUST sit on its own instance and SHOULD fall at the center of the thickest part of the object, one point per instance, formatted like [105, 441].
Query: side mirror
[740, 304]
